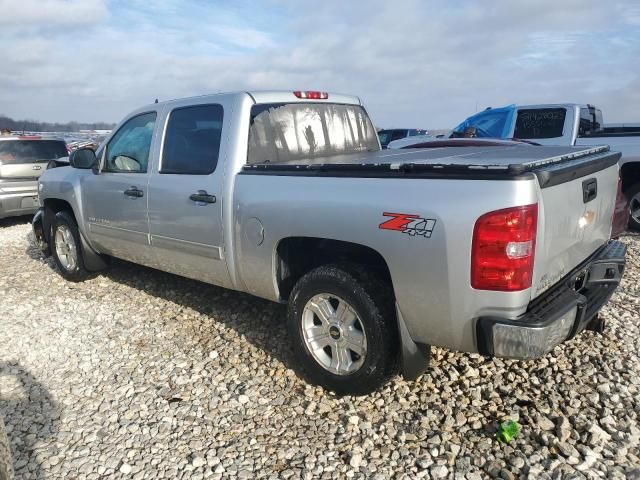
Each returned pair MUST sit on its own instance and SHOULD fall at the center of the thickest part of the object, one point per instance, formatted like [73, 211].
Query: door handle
[134, 192]
[201, 196]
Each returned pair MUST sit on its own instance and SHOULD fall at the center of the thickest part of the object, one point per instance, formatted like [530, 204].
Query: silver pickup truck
[504, 251]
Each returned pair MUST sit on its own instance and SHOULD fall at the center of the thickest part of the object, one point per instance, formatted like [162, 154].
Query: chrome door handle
[134, 192]
[201, 196]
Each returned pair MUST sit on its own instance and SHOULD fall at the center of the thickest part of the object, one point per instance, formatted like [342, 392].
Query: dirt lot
[141, 374]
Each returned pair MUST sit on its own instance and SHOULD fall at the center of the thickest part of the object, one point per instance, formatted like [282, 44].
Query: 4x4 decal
[408, 223]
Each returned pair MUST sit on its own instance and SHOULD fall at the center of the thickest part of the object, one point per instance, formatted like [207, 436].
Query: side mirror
[84, 158]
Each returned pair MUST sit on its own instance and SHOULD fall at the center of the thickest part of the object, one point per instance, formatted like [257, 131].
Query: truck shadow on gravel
[250, 317]
[31, 418]
[13, 221]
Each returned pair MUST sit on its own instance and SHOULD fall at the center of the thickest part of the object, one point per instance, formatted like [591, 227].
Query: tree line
[35, 126]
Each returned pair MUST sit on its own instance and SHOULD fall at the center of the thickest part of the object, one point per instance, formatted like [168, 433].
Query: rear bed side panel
[430, 275]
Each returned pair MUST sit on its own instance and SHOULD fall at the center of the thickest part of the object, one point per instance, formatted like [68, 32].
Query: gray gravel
[142, 374]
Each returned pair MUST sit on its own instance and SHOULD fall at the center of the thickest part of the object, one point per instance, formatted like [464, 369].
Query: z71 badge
[410, 224]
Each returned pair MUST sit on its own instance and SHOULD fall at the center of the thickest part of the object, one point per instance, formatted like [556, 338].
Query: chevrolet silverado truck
[379, 254]
[558, 124]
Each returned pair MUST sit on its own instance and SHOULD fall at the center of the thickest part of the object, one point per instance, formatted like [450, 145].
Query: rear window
[292, 131]
[31, 151]
[540, 123]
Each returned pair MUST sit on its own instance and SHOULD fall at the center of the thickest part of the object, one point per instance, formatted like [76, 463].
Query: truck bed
[552, 164]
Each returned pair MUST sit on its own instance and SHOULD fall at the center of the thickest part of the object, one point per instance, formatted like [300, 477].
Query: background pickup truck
[558, 124]
[379, 254]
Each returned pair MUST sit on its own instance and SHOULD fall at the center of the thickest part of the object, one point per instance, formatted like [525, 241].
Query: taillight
[504, 244]
[313, 95]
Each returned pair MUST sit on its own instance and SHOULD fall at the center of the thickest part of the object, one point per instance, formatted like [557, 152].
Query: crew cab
[22, 161]
[558, 124]
[503, 250]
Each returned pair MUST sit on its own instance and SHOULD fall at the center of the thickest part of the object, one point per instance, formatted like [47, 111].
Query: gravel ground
[142, 374]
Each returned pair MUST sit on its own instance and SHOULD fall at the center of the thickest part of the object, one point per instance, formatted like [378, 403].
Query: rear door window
[535, 123]
[192, 141]
[13, 152]
[293, 131]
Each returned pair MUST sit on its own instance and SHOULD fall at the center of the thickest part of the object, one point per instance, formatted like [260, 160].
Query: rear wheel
[66, 247]
[343, 329]
[633, 194]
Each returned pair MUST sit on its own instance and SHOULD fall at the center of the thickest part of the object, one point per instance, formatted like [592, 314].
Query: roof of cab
[270, 96]
[278, 96]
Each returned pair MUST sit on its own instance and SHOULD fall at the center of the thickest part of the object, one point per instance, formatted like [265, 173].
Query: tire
[633, 194]
[360, 354]
[67, 249]
[6, 463]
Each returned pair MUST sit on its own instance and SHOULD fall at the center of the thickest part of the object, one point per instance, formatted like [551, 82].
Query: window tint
[292, 131]
[192, 141]
[128, 149]
[590, 121]
[540, 123]
[31, 151]
[398, 134]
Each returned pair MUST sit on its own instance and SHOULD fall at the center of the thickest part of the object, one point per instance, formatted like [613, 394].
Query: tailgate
[577, 201]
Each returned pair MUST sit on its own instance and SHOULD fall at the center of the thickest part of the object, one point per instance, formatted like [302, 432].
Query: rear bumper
[18, 199]
[560, 313]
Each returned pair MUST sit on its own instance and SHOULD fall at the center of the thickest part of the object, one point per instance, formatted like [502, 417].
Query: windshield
[489, 123]
[31, 151]
[291, 131]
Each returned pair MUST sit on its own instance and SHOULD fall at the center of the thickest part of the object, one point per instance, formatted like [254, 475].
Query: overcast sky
[424, 64]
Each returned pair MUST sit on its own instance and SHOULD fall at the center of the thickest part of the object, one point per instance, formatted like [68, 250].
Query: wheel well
[630, 175]
[54, 205]
[57, 205]
[298, 255]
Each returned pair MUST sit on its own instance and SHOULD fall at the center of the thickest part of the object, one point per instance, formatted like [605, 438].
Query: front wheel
[66, 247]
[633, 194]
[343, 329]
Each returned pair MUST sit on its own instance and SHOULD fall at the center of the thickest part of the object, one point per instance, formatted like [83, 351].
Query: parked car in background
[22, 161]
[561, 124]
[389, 135]
[288, 196]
